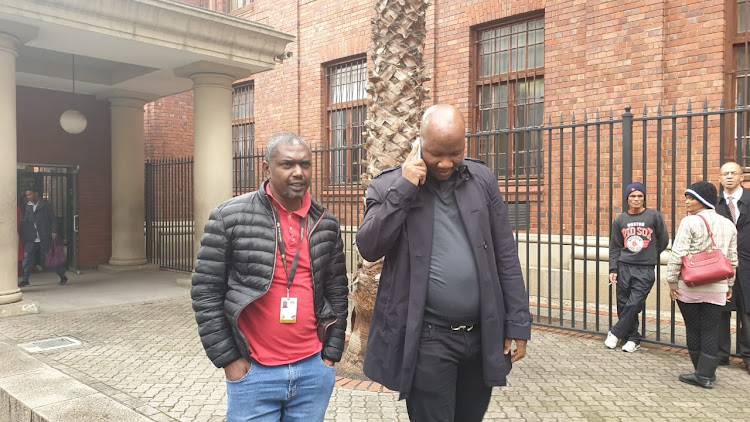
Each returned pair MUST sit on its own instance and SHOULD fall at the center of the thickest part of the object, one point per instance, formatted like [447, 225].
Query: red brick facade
[598, 56]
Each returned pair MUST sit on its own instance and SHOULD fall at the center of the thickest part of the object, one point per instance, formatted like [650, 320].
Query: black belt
[456, 327]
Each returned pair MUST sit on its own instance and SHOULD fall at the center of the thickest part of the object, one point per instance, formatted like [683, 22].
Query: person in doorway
[451, 299]
[38, 232]
[637, 238]
[734, 204]
[270, 293]
[701, 306]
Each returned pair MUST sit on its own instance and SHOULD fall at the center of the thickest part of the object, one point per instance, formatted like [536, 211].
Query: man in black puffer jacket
[270, 292]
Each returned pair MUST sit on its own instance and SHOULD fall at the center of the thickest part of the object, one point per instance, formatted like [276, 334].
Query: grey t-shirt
[453, 290]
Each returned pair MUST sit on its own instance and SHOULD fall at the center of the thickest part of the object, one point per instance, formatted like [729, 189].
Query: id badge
[288, 314]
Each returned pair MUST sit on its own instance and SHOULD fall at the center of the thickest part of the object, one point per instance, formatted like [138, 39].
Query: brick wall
[168, 126]
[41, 140]
[599, 56]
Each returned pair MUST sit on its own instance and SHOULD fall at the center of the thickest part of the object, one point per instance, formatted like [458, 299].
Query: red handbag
[706, 267]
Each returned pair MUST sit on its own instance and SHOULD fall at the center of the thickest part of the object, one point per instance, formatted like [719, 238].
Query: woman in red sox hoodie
[637, 238]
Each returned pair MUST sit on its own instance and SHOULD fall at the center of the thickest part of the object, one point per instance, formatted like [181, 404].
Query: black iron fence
[169, 202]
[567, 190]
[571, 189]
[169, 213]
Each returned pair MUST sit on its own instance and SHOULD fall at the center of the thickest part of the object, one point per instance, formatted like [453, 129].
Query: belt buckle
[462, 327]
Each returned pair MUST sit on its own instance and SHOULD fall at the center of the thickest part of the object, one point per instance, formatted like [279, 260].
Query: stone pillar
[212, 128]
[128, 239]
[9, 292]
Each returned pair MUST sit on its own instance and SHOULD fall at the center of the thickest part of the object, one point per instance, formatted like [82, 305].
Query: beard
[296, 188]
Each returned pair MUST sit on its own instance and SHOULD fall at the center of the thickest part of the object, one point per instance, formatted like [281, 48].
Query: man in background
[637, 238]
[734, 204]
[38, 233]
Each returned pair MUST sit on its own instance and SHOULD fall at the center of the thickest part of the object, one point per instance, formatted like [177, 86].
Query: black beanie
[635, 186]
[703, 191]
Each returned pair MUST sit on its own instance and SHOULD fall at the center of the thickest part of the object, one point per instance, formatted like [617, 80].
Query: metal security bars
[169, 202]
[587, 160]
[169, 213]
[509, 92]
[344, 121]
[243, 136]
[560, 212]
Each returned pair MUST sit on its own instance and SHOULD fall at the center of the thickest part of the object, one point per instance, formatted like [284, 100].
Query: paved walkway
[146, 356]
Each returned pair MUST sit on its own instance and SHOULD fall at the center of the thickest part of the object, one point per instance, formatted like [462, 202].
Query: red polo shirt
[271, 342]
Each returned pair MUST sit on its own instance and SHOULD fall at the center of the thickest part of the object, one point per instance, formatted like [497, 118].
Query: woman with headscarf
[701, 306]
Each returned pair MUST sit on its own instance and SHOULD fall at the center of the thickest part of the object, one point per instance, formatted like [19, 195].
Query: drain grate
[50, 344]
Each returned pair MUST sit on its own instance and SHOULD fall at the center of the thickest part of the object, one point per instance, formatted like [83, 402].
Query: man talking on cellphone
[451, 299]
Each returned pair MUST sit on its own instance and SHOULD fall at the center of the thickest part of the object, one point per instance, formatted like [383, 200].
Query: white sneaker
[611, 340]
[630, 347]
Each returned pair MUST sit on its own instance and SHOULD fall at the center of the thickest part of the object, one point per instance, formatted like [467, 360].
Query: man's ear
[266, 169]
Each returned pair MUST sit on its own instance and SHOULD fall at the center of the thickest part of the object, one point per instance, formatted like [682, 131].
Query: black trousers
[634, 283]
[448, 384]
[743, 327]
[701, 326]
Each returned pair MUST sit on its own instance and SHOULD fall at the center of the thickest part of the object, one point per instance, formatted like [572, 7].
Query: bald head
[443, 139]
[442, 120]
[731, 177]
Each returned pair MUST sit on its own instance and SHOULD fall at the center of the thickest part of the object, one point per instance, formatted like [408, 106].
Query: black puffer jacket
[235, 267]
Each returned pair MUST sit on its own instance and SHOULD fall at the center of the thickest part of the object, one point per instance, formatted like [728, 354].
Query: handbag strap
[713, 244]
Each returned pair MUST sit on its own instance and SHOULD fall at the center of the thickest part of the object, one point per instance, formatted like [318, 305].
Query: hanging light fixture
[73, 121]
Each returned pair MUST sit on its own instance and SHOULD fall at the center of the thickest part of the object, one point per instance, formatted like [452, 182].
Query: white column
[212, 128]
[128, 239]
[9, 292]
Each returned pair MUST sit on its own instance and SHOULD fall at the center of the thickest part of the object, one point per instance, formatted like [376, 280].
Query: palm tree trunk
[395, 96]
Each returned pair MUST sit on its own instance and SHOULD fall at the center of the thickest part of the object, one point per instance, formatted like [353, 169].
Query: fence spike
[573, 118]
[561, 119]
[611, 114]
[585, 116]
[674, 108]
[597, 114]
[658, 110]
[690, 106]
[644, 111]
[705, 105]
[721, 104]
[549, 118]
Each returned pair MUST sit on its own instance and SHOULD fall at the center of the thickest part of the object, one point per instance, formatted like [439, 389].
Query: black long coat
[743, 243]
[46, 224]
[398, 224]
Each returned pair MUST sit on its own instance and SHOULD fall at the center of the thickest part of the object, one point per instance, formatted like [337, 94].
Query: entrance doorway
[59, 186]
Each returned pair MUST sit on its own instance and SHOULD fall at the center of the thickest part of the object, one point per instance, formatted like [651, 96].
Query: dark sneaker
[63, 281]
[23, 283]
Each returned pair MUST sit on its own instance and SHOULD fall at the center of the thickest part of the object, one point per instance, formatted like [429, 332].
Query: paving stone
[148, 357]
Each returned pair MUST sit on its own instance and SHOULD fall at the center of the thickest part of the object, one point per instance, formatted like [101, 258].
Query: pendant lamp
[72, 120]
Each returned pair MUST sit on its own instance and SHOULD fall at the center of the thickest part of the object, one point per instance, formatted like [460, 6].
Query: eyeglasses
[730, 173]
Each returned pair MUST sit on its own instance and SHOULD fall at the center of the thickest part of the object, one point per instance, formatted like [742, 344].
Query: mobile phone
[418, 145]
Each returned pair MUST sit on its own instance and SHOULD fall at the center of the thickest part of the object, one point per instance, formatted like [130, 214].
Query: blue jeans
[299, 391]
[28, 257]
